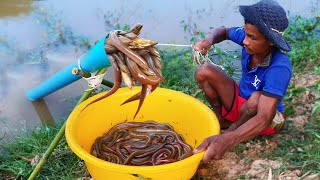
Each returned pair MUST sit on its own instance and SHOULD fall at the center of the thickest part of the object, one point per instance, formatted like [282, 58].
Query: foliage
[299, 149]
[292, 93]
[303, 36]
[56, 31]
[190, 25]
[178, 69]
[16, 156]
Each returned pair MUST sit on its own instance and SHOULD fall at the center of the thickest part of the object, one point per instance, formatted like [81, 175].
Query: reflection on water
[14, 7]
[39, 38]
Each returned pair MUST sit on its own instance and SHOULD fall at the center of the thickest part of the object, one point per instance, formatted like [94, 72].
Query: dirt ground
[254, 165]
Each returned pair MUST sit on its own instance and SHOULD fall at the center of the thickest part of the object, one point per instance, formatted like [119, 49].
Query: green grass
[299, 149]
[178, 70]
[303, 36]
[62, 163]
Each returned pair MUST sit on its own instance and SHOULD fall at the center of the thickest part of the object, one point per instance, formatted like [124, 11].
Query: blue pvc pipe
[95, 59]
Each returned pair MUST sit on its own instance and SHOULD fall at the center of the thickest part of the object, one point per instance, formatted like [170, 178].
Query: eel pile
[141, 144]
[134, 60]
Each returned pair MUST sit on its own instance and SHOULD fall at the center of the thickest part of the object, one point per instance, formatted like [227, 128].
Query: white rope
[200, 59]
[79, 59]
[197, 56]
[94, 81]
[279, 32]
[177, 45]
[185, 45]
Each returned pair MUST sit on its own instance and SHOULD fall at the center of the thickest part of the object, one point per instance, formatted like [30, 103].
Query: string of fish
[134, 60]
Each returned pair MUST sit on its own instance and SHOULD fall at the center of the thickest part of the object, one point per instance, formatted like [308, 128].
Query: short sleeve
[237, 35]
[277, 80]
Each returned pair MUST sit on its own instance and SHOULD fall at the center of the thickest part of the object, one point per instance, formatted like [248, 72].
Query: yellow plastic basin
[189, 117]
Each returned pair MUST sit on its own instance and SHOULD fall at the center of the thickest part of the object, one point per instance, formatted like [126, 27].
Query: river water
[39, 38]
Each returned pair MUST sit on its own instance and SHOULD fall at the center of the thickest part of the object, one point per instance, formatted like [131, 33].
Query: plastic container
[189, 117]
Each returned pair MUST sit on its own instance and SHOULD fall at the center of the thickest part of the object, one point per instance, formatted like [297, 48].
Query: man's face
[255, 42]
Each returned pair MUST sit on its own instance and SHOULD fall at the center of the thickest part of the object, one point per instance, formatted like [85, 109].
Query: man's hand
[216, 147]
[203, 46]
[217, 35]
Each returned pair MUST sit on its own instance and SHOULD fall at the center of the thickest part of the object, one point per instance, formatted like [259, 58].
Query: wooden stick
[43, 112]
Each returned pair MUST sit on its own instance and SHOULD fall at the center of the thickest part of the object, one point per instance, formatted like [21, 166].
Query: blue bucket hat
[271, 20]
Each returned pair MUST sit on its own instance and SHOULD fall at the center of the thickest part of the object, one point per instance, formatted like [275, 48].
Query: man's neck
[259, 58]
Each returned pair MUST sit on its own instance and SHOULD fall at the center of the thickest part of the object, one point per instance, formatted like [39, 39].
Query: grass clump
[17, 158]
[303, 36]
[178, 70]
[299, 149]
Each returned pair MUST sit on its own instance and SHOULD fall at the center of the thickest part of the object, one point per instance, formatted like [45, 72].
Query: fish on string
[134, 60]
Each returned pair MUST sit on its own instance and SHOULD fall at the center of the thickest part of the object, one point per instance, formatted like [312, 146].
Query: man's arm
[216, 36]
[254, 126]
[218, 145]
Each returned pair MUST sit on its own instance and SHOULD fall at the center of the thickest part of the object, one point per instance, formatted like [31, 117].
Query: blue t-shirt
[271, 77]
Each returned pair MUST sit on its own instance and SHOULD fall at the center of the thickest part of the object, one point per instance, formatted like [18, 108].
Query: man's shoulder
[236, 31]
[237, 35]
[280, 54]
[280, 58]
[237, 28]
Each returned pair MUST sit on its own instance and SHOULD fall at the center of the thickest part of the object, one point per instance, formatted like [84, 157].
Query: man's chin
[248, 51]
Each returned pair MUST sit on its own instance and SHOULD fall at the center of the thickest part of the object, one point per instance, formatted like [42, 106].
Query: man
[254, 106]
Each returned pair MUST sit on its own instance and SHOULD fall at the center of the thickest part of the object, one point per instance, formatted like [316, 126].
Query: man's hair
[246, 21]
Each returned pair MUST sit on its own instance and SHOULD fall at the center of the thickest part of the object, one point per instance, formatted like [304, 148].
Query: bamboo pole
[107, 83]
[59, 136]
